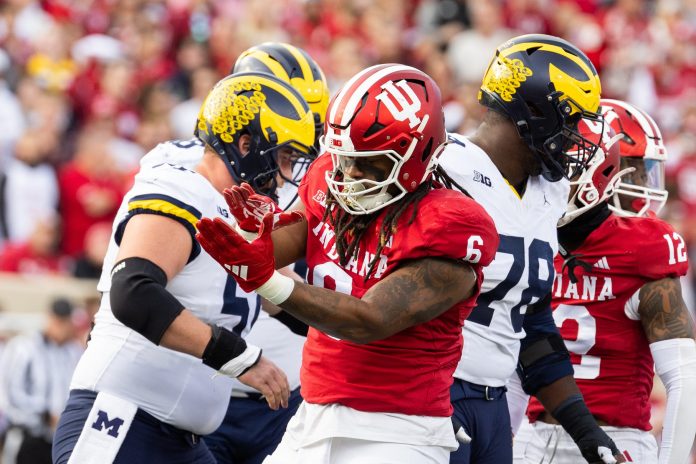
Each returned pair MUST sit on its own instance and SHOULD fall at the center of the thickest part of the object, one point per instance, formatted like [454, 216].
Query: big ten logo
[320, 197]
[111, 425]
[394, 93]
[485, 180]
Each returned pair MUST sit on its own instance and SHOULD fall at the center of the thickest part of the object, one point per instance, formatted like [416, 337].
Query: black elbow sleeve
[139, 299]
[543, 356]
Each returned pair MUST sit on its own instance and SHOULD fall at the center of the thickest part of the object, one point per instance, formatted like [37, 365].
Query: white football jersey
[279, 343]
[522, 271]
[174, 387]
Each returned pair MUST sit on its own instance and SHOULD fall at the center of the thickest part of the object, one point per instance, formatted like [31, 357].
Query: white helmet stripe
[655, 147]
[348, 109]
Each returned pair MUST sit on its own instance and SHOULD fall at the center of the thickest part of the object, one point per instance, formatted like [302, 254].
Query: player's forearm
[334, 313]
[417, 292]
[289, 244]
[552, 395]
[218, 348]
[187, 334]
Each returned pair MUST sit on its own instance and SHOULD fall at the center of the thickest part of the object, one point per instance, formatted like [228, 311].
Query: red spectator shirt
[75, 186]
[21, 259]
[609, 350]
[409, 372]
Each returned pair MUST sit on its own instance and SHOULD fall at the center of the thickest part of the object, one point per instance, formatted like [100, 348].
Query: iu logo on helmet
[408, 109]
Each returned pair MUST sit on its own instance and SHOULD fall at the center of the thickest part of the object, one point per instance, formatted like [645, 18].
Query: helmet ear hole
[374, 128]
[535, 110]
[403, 144]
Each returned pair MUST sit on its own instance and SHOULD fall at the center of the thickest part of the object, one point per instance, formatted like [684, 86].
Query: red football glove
[250, 263]
[249, 208]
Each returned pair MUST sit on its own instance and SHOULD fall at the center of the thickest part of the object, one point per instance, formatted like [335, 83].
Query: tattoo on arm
[663, 312]
[421, 291]
[415, 293]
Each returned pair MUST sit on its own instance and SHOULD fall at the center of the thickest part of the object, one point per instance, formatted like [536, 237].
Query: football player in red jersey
[640, 192]
[390, 283]
[618, 303]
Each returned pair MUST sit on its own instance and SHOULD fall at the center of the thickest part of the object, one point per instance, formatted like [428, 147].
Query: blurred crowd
[87, 87]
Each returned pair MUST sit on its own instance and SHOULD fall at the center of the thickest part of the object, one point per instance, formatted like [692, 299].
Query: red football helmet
[598, 179]
[387, 110]
[641, 147]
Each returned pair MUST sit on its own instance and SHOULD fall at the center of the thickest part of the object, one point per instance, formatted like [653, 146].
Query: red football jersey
[411, 371]
[610, 353]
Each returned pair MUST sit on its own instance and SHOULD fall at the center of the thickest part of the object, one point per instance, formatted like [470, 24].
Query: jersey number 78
[540, 253]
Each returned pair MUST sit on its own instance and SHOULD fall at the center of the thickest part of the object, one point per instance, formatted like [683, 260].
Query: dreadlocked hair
[442, 177]
[350, 228]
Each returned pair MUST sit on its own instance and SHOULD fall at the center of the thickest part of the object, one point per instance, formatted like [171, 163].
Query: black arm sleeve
[139, 299]
[543, 355]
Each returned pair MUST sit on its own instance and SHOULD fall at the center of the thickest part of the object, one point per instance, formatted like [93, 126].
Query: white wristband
[237, 365]
[248, 236]
[277, 289]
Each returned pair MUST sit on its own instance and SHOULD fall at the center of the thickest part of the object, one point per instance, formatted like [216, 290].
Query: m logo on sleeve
[111, 425]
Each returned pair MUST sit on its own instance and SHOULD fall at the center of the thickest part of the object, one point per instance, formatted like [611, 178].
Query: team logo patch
[320, 197]
[111, 425]
[222, 211]
[485, 180]
[409, 107]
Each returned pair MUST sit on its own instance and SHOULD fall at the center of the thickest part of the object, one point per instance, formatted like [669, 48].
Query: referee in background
[35, 371]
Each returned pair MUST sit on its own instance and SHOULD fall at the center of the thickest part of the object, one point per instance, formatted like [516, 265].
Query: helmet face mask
[642, 192]
[293, 163]
[571, 137]
[391, 116]
[364, 196]
[267, 110]
[544, 85]
[294, 66]
[596, 181]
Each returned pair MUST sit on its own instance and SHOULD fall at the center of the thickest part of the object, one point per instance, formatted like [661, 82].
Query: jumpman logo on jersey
[546, 202]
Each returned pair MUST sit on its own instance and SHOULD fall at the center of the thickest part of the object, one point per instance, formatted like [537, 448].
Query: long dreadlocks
[350, 228]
